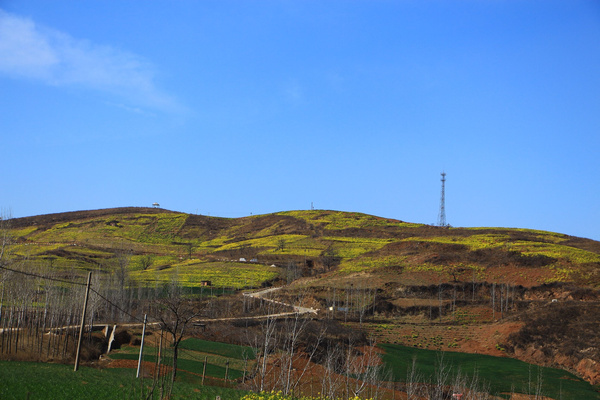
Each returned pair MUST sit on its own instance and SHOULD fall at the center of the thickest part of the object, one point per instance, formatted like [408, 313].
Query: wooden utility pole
[87, 295]
[137, 375]
[245, 365]
[226, 372]
[493, 302]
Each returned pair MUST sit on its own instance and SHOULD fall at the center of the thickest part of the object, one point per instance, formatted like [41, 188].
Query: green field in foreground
[502, 375]
[223, 359]
[27, 380]
[222, 349]
[185, 364]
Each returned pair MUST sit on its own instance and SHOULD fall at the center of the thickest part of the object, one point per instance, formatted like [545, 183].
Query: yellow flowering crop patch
[558, 251]
[336, 220]
[222, 274]
[474, 242]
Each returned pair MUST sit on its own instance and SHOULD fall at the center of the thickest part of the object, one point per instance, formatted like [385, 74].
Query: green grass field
[37, 381]
[189, 364]
[192, 353]
[503, 375]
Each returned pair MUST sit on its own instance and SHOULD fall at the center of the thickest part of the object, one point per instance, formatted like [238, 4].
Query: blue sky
[232, 108]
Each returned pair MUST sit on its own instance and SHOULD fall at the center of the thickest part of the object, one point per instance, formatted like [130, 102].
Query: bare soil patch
[147, 370]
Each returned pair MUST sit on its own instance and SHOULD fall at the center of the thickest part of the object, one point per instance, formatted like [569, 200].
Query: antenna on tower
[442, 216]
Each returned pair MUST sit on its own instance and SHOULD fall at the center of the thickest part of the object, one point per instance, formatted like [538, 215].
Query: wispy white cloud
[30, 51]
[136, 110]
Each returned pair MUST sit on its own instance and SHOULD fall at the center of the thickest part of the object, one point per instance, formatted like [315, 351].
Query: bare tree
[364, 299]
[292, 272]
[363, 365]
[264, 348]
[5, 237]
[331, 381]
[5, 240]
[539, 385]
[293, 330]
[175, 313]
[414, 389]
[122, 258]
[442, 374]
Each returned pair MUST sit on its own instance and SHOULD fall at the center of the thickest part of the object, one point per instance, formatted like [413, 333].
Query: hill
[498, 291]
[319, 242]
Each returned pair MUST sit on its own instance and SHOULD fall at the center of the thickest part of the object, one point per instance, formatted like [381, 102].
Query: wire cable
[31, 274]
[34, 275]
[116, 306]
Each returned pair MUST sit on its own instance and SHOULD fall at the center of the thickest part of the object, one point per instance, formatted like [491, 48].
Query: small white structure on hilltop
[155, 205]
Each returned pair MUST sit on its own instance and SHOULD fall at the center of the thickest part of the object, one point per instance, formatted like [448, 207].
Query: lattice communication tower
[442, 216]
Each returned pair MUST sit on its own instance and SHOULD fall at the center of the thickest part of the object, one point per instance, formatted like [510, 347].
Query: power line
[116, 306]
[33, 275]
[42, 276]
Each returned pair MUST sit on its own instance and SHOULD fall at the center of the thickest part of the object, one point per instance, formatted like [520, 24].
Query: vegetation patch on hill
[192, 273]
[318, 240]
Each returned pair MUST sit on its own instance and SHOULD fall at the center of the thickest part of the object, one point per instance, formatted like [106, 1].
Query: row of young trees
[356, 302]
[33, 308]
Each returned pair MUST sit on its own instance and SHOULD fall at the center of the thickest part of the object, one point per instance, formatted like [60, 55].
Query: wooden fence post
[226, 371]
[87, 294]
[137, 375]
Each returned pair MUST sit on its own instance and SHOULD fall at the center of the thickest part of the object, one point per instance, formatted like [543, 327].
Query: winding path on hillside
[261, 294]
[297, 309]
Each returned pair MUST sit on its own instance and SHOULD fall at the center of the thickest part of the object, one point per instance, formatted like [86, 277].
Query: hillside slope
[316, 241]
[484, 290]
